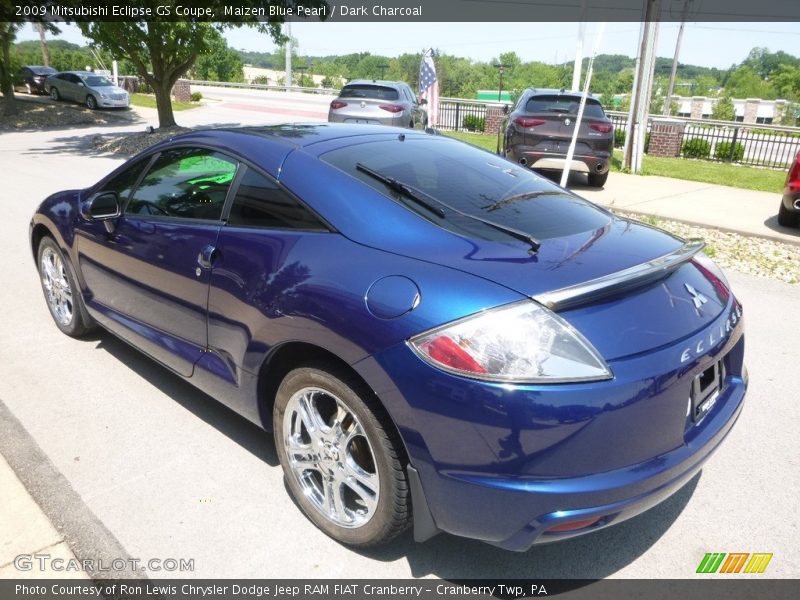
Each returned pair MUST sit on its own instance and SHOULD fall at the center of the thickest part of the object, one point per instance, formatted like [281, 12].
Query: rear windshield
[43, 70]
[564, 104]
[378, 92]
[471, 181]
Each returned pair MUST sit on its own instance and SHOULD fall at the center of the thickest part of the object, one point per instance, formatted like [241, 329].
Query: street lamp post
[383, 69]
[502, 69]
[302, 70]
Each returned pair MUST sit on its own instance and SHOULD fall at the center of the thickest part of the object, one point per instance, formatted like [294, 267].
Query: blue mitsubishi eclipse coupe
[437, 337]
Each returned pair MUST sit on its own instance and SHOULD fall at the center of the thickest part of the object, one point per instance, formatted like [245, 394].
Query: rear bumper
[790, 198]
[598, 163]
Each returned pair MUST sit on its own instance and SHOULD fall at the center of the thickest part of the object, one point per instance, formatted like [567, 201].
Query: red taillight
[574, 525]
[392, 108]
[338, 104]
[528, 121]
[793, 178]
[445, 351]
[600, 126]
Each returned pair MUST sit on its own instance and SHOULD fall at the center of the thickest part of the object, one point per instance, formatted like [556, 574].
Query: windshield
[378, 92]
[43, 70]
[472, 181]
[564, 104]
[97, 81]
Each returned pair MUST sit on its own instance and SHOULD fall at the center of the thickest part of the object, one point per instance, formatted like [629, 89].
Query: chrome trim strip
[614, 282]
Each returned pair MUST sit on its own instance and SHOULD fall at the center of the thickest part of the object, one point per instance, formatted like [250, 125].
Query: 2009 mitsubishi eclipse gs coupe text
[436, 336]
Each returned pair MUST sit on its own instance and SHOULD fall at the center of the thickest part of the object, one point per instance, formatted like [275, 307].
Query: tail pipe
[598, 167]
[797, 204]
[523, 161]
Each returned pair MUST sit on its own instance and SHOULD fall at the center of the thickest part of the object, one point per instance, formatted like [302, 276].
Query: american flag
[429, 87]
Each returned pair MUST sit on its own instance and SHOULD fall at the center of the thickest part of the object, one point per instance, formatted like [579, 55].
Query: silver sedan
[91, 89]
[378, 103]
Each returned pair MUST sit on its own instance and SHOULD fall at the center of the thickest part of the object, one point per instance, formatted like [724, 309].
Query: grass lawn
[149, 101]
[749, 178]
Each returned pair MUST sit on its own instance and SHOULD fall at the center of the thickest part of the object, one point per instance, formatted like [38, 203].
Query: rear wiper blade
[423, 199]
[402, 188]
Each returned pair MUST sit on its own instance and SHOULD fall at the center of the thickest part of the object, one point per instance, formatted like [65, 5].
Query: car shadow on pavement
[249, 436]
[772, 223]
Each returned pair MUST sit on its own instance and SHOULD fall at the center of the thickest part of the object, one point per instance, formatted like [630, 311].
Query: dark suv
[540, 129]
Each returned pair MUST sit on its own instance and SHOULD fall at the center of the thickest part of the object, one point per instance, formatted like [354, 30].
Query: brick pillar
[182, 91]
[666, 136]
[697, 107]
[494, 120]
[751, 109]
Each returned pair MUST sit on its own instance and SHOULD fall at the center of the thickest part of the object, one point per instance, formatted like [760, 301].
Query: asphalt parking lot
[168, 472]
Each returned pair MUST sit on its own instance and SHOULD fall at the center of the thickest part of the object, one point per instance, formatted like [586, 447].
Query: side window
[259, 202]
[189, 183]
[123, 182]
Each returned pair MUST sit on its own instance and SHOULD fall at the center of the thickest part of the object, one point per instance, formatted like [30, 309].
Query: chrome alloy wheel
[56, 286]
[330, 457]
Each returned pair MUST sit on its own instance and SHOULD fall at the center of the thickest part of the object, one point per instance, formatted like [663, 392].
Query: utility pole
[671, 87]
[578, 66]
[642, 87]
[288, 75]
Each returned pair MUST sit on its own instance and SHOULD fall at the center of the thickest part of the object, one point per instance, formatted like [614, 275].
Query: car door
[264, 249]
[149, 276]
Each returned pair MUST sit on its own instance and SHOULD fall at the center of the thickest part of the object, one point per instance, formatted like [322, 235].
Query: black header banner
[400, 10]
[398, 589]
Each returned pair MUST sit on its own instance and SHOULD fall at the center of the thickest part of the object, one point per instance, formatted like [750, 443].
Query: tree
[220, 63]
[723, 110]
[162, 51]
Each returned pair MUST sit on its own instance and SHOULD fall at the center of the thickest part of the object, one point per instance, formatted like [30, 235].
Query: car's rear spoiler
[614, 283]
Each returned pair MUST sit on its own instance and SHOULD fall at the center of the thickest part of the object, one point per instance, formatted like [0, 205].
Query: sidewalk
[747, 212]
[25, 530]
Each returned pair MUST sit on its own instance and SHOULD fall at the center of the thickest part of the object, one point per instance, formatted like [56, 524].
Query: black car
[30, 79]
[540, 129]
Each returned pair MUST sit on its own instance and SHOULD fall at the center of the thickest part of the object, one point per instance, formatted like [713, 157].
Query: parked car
[85, 87]
[433, 334]
[540, 129]
[30, 79]
[379, 103]
[789, 210]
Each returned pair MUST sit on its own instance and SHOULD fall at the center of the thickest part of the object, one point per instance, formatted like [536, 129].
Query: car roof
[383, 82]
[555, 92]
[82, 73]
[268, 145]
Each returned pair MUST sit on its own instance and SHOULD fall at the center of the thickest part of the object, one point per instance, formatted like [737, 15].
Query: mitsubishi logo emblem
[697, 297]
[567, 122]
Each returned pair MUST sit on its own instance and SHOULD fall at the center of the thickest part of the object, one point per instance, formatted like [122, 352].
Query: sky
[705, 44]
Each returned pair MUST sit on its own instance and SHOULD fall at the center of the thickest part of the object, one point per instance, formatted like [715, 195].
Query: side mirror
[101, 207]
[422, 101]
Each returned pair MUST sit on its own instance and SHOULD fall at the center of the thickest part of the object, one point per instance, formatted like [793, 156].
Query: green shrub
[723, 151]
[196, 96]
[619, 139]
[696, 148]
[473, 123]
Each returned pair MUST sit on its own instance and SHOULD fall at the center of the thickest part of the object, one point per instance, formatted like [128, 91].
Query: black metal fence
[461, 115]
[745, 144]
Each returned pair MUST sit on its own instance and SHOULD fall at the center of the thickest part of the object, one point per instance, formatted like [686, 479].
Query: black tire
[91, 102]
[787, 218]
[598, 180]
[77, 323]
[54, 94]
[391, 513]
